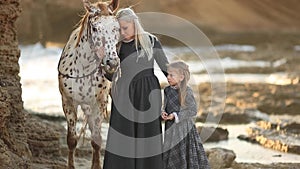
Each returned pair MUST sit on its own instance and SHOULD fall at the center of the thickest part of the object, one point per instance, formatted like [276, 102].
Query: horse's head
[103, 30]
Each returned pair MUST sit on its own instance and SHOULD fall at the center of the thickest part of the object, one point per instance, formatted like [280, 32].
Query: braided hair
[183, 69]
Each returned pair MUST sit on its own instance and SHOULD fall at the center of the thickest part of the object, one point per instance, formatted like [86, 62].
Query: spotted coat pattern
[81, 74]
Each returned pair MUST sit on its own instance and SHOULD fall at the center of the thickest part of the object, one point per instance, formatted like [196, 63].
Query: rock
[45, 163]
[280, 100]
[278, 136]
[211, 134]
[247, 138]
[248, 102]
[265, 166]
[44, 143]
[14, 149]
[43, 137]
[231, 115]
[22, 139]
[220, 158]
[292, 128]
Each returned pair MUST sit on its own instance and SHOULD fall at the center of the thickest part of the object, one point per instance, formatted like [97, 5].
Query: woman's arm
[164, 115]
[160, 56]
[164, 101]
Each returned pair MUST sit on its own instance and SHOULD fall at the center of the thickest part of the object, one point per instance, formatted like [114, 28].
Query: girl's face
[174, 77]
[127, 30]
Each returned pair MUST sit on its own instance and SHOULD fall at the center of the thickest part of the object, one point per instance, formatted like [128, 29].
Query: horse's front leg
[71, 116]
[96, 164]
[95, 121]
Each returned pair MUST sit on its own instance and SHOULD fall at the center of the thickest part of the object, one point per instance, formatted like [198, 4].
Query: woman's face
[127, 30]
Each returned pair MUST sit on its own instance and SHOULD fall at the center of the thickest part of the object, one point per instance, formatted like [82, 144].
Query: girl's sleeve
[190, 108]
[160, 57]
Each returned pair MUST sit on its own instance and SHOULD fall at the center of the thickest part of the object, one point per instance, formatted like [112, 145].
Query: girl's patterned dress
[182, 144]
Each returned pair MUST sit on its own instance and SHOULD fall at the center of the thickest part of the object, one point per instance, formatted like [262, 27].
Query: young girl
[182, 145]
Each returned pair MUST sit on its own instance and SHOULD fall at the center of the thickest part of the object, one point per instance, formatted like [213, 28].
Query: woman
[134, 137]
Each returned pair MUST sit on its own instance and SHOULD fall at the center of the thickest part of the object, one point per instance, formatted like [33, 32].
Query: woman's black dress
[135, 134]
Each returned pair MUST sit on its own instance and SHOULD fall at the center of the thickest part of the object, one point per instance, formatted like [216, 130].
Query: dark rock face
[14, 149]
[22, 139]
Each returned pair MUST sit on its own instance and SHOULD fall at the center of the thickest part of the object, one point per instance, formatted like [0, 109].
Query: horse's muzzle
[111, 65]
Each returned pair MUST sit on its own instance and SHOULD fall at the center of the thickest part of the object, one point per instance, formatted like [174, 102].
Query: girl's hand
[171, 116]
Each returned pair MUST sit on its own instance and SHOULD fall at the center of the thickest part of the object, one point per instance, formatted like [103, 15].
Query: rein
[98, 68]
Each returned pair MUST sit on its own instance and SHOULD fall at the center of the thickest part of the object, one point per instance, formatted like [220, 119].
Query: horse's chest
[86, 89]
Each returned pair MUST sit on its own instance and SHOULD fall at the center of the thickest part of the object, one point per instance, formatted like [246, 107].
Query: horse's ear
[87, 4]
[89, 7]
[114, 4]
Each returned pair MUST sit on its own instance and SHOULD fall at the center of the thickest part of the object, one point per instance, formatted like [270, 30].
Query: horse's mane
[81, 24]
[83, 21]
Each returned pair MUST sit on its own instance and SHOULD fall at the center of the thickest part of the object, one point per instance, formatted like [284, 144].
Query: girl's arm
[190, 108]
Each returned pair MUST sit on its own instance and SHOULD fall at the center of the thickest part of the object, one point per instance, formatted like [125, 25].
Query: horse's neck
[79, 43]
[77, 59]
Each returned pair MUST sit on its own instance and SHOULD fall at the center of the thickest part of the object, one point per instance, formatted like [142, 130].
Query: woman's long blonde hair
[142, 38]
[183, 69]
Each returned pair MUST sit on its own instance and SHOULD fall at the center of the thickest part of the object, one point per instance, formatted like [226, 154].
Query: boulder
[211, 134]
[220, 158]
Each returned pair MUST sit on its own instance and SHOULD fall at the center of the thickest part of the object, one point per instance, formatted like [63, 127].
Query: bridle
[101, 66]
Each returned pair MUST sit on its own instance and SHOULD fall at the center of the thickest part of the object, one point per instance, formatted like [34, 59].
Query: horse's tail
[83, 130]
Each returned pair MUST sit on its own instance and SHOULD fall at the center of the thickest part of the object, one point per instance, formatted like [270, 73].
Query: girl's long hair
[183, 69]
[142, 38]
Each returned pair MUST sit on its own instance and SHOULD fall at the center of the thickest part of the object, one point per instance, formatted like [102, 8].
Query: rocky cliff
[238, 15]
[24, 141]
[14, 149]
[53, 20]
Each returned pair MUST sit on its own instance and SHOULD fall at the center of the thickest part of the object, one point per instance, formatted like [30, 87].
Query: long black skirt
[135, 134]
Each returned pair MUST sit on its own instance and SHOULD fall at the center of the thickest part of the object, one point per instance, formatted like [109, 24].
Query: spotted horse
[89, 53]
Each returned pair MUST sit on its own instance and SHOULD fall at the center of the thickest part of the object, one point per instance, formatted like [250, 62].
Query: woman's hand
[164, 115]
[100, 51]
